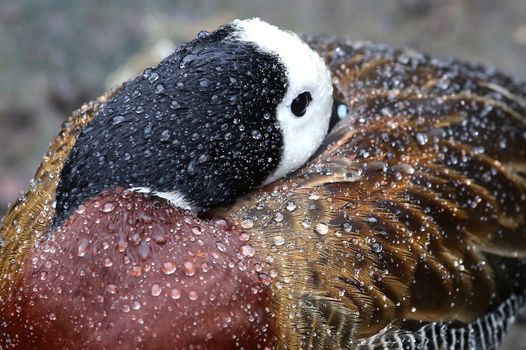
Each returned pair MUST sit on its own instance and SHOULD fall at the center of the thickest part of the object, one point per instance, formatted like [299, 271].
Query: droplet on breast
[108, 207]
[175, 294]
[168, 268]
[189, 268]
[144, 250]
[82, 247]
[247, 250]
[221, 246]
[159, 235]
[192, 295]
[111, 288]
[156, 290]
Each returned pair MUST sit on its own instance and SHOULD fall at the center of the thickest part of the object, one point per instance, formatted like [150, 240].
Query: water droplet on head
[152, 77]
[159, 89]
[117, 119]
[256, 135]
[204, 83]
[203, 34]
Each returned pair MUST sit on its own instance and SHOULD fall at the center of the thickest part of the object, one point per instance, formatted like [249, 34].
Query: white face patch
[306, 72]
[175, 199]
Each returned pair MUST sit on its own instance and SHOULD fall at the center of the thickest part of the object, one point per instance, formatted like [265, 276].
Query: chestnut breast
[127, 271]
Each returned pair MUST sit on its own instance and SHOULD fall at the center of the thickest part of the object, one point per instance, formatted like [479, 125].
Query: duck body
[406, 230]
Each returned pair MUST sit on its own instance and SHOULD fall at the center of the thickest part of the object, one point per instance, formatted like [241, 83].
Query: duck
[403, 228]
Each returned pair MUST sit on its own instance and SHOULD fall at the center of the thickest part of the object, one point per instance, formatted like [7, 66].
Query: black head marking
[201, 123]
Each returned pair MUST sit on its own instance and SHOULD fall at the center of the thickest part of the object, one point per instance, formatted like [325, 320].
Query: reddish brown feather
[128, 271]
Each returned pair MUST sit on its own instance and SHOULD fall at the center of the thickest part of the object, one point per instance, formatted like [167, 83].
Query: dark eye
[300, 104]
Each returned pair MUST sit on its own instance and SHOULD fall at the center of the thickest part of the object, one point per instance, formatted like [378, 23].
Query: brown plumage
[413, 211]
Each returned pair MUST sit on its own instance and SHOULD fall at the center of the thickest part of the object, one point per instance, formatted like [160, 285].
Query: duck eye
[300, 104]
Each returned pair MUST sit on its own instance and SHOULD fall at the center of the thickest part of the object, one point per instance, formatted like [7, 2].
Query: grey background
[54, 55]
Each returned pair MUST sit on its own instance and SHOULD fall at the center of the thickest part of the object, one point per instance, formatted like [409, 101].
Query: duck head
[225, 113]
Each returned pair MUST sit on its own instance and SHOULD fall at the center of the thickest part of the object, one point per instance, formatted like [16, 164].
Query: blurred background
[55, 55]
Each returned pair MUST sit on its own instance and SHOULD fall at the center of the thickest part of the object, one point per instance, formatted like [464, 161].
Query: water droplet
[80, 209]
[117, 119]
[52, 316]
[192, 295]
[377, 247]
[156, 289]
[413, 309]
[196, 230]
[321, 228]
[136, 305]
[279, 240]
[82, 247]
[108, 207]
[189, 268]
[244, 236]
[108, 262]
[152, 77]
[247, 224]
[247, 250]
[168, 268]
[136, 271]
[256, 135]
[159, 89]
[175, 294]
[278, 217]
[144, 250]
[421, 138]
[111, 288]
[122, 245]
[314, 196]
[204, 83]
[221, 246]
[159, 235]
[203, 34]
[291, 206]
[43, 275]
